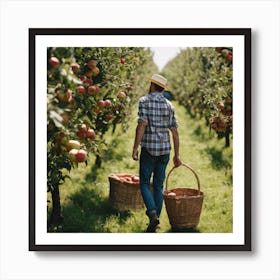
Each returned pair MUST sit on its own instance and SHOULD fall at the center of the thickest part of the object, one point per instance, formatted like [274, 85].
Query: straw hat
[159, 80]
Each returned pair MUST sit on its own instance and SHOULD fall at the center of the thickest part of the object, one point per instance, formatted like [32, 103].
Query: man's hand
[135, 154]
[176, 160]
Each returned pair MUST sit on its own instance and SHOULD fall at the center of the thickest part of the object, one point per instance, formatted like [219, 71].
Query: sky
[163, 54]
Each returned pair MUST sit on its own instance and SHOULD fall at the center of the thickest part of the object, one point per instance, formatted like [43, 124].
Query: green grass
[84, 198]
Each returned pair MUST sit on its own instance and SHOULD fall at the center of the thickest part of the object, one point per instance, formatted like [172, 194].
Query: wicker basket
[124, 195]
[184, 206]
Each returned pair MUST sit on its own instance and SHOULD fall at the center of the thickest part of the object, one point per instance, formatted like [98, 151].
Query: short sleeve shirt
[158, 113]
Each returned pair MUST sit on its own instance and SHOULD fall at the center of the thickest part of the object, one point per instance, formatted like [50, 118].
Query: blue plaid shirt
[159, 113]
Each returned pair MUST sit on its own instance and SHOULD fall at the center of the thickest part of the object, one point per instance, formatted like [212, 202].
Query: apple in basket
[135, 178]
[127, 179]
[171, 194]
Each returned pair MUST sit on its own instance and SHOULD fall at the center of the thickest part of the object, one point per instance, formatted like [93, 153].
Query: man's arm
[140, 130]
[176, 142]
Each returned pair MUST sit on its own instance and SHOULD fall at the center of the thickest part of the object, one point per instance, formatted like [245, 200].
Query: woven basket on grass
[124, 195]
[183, 205]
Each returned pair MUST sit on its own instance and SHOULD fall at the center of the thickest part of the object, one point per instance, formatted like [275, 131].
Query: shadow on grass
[113, 153]
[201, 133]
[110, 156]
[88, 211]
[218, 162]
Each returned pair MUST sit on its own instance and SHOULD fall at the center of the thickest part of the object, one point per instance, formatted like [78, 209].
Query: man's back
[158, 113]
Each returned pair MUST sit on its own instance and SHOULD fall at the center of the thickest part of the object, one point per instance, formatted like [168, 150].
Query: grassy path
[84, 198]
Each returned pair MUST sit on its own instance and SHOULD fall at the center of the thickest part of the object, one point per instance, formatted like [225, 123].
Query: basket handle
[189, 167]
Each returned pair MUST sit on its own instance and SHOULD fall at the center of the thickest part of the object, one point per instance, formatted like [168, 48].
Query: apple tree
[89, 91]
[201, 79]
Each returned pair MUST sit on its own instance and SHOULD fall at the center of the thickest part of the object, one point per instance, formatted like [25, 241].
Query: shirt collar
[155, 93]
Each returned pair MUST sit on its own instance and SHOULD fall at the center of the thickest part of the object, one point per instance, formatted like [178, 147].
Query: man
[156, 117]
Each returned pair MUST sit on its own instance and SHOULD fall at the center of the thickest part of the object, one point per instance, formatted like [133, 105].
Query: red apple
[81, 89]
[127, 179]
[82, 132]
[75, 67]
[92, 64]
[93, 89]
[122, 61]
[101, 103]
[81, 155]
[229, 57]
[54, 61]
[91, 134]
[107, 103]
[135, 178]
[218, 49]
[95, 71]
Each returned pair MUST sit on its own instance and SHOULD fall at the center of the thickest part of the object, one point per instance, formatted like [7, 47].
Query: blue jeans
[157, 165]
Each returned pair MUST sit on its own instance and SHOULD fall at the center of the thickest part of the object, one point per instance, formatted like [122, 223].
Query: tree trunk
[98, 161]
[56, 216]
[227, 139]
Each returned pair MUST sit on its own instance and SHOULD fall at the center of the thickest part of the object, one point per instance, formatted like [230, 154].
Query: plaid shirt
[158, 112]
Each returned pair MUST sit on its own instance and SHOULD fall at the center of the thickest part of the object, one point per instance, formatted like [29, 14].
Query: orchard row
[201, 79]
[90, 90]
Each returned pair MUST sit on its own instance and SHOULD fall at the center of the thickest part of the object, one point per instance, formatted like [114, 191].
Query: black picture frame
[33, 165]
